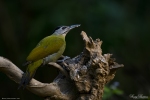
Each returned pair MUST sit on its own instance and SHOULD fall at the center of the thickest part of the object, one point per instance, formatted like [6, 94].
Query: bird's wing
[45, 47]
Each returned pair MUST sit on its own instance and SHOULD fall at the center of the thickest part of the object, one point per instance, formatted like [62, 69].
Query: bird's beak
[73, 26]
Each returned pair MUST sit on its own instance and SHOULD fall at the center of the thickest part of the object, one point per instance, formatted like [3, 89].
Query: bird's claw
[64, 58]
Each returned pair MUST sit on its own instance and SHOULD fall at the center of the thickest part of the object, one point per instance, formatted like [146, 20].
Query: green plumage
[47, 50]
[47, 46]
[52, 46]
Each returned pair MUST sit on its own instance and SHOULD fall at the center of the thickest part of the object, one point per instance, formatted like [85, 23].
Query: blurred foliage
[108, 93]
[122, 25]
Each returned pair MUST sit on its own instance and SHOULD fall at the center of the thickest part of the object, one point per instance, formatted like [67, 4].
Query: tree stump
[82, 77]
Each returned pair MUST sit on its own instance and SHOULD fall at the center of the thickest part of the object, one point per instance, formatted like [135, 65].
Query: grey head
[64, 29]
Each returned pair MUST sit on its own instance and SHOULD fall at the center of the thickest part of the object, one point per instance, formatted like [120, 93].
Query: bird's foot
[64, 58]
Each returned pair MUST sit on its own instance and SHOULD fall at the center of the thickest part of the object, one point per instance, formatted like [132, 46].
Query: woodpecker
[47, 50]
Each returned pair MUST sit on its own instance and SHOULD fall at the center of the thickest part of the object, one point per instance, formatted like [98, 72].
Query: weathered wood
[82, 77]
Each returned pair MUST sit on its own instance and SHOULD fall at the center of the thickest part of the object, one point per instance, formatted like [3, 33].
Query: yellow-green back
[47, 46]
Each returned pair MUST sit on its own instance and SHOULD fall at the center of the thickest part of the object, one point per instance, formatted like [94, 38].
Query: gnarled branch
[86, 74]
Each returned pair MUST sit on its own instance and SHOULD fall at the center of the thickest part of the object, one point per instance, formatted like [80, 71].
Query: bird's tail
[30, 72]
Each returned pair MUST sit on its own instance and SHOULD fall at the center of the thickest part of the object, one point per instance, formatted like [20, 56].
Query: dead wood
[82, 77]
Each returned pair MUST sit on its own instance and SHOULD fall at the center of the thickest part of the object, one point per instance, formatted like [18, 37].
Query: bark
[82, 77]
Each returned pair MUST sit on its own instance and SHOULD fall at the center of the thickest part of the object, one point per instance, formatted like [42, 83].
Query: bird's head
[63, 30]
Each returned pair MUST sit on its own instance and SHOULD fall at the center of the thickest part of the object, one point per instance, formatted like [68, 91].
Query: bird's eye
[64, 27]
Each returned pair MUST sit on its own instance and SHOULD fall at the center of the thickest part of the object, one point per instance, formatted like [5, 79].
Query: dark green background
[122, 25]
